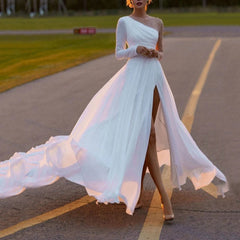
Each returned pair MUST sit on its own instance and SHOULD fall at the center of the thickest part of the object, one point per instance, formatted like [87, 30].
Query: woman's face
[139, 3]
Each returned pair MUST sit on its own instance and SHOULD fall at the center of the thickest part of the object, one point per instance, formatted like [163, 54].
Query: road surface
[50, 106]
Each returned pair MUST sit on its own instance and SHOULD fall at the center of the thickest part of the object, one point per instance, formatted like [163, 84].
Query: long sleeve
[121, 52]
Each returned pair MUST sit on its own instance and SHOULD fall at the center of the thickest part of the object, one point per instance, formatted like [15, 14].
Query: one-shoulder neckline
[143, 24]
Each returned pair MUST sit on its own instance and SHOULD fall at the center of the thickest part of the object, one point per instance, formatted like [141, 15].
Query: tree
[85, 5]
[204, 3]
[62, 7]
[2, 7]
[161, 4]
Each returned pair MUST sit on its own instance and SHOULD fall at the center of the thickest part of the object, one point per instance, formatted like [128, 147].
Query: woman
[151, 161]
[131, 117]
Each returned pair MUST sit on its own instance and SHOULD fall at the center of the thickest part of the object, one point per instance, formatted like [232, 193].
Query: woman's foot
[168, 214]
[168, 218]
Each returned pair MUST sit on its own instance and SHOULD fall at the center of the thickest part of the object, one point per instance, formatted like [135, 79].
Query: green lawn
[170, 19]
[25, 58]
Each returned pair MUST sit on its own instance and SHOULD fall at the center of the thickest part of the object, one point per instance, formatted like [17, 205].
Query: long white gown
[106, 149]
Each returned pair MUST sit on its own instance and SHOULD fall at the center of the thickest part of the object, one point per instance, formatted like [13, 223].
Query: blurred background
[72, 7]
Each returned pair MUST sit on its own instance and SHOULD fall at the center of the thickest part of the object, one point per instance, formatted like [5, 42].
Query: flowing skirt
[106, 149]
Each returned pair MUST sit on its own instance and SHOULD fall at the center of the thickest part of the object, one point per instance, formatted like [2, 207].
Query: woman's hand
[151, 53]
[143, 51]
[156, 54]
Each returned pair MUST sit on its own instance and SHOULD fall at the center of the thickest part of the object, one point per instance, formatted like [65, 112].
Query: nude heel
[169, 217]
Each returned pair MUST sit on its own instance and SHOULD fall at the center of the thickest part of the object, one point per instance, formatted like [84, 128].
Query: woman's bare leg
[151, 161]
[153, 166]
[156, 101]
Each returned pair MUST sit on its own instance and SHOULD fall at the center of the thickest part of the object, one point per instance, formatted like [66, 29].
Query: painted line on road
[154, 220]
[153, 223]
[188, 115]
[47, 216]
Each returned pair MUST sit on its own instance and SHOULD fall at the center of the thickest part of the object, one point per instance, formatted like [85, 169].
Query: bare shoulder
[158, 22]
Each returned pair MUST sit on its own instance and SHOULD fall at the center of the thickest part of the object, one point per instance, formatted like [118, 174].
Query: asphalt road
[33, 112]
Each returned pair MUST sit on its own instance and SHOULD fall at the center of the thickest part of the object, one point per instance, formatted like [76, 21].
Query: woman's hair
[129, 3]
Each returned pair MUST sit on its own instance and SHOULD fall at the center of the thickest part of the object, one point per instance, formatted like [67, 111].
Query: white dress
[106, 149]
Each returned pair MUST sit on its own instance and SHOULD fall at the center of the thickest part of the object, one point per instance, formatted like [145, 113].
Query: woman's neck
[139, 12]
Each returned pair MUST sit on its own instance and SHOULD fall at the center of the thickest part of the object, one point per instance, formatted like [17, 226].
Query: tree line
[77, 5]
[116, 4]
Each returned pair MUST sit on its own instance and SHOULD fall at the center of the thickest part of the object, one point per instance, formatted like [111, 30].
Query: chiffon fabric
[106, 149]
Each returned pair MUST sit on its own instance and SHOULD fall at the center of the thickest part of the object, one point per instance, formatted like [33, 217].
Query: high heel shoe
[168, 217]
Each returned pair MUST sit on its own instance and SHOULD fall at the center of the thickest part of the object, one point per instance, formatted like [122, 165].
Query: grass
[109, 21]
[25, 58]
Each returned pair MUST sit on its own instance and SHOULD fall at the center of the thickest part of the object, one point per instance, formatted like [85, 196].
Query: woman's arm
[159, 46]
[158, 51]
[121, 52]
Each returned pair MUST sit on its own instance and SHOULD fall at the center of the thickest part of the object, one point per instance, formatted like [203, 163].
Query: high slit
[156, 99]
